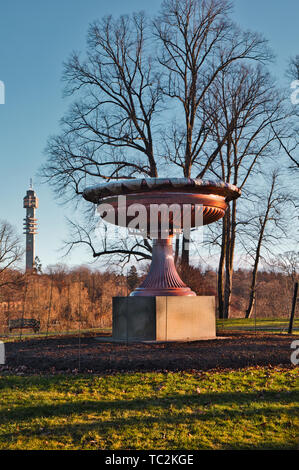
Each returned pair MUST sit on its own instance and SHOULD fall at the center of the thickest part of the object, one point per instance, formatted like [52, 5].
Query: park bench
[24, 323]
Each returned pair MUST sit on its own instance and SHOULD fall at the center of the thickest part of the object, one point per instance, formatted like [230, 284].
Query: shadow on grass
[204, 402]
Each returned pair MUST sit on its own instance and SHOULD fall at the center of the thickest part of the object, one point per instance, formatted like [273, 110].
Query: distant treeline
[68, 299]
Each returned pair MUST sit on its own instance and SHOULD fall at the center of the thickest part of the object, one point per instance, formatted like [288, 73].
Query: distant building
[30, 226]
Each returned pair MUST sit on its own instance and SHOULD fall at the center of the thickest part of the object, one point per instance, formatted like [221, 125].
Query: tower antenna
[30, 226]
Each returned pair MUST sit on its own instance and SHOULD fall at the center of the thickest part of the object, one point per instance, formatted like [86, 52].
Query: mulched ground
[62, 354]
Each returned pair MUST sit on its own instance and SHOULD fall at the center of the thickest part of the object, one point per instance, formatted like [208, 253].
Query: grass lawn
[270, 325]
[253, 408]
[27, 334]
[267, 325]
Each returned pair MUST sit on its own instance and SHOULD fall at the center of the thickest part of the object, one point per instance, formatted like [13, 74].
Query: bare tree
[123, 248]
[293, 68]
[198, 42]
[289, 141]
[266, 228]
[124, 91]
[288, 263]
[247, 96]
[108, 132]
[10, 251]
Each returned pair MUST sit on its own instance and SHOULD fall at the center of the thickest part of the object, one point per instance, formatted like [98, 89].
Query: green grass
[270, 325]
[253, 408]
[29, 334]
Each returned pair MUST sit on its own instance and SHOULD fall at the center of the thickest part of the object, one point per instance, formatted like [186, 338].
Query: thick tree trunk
[221, 269]
[229, 260]
[251, 303]
[291, 322]
[228, 274]
[227, 291]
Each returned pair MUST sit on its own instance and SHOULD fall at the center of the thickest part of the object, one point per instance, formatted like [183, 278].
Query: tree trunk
[252, 293]
[185, 251]
[176, 250]
[229, 262]
[221, 269]
[228, 274]
[258, 252]
[290, 330]
[251, 302]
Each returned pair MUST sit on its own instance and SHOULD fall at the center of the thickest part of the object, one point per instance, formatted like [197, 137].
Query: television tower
[30, 224]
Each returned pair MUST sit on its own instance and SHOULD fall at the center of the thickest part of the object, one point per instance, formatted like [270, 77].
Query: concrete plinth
[164, 318]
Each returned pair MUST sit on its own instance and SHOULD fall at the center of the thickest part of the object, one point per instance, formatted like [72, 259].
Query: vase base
[176, 291]
[164, 318]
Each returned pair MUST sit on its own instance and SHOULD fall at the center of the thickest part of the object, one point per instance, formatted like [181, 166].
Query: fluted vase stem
[163, 278]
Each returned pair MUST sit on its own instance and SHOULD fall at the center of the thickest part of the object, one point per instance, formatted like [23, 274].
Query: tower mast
[30, 225]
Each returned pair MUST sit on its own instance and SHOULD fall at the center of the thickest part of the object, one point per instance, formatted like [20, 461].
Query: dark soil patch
[62, 354]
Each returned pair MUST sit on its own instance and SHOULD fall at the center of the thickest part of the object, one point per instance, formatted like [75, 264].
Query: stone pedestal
[164, 318]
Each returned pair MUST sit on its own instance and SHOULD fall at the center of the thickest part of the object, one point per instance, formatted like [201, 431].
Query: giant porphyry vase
[205, 202]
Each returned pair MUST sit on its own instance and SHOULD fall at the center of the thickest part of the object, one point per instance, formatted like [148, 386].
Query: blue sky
[35, 38]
